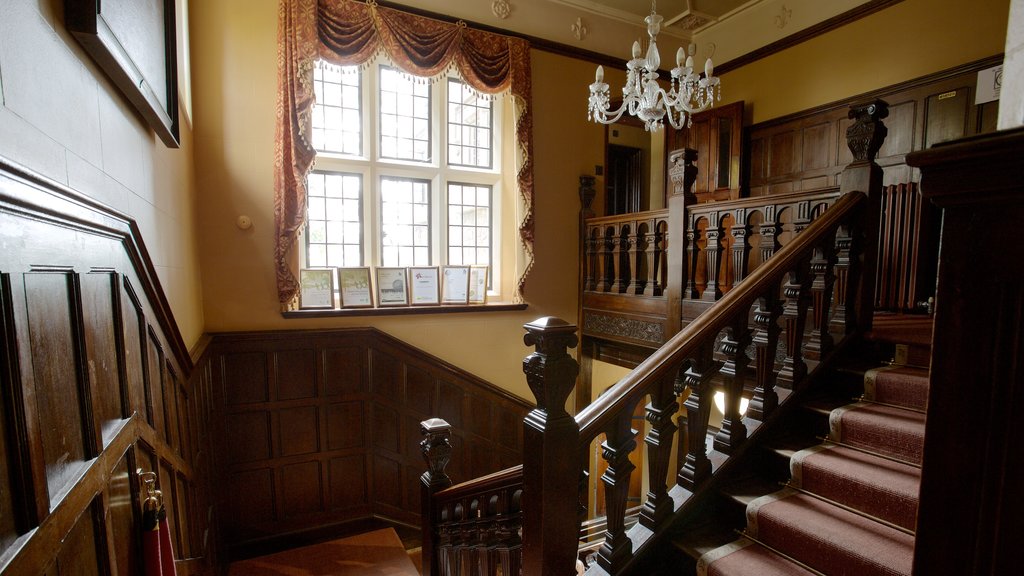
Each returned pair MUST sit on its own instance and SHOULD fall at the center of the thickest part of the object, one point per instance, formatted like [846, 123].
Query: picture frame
[316, 289]
[135, 43]
[455, 285]
[478, 284]
[424, 286]
[355, 287]
[392, 287]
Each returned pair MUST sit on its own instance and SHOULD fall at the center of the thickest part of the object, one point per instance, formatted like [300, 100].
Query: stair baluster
[697, 467]
[766, 343]
[734, 347]
[794, 317]
[620, 441]
[663, 405]
[844, 246]
[620, 258]
[819, 342]
[740, 246]
[605, 255]
[713, 253]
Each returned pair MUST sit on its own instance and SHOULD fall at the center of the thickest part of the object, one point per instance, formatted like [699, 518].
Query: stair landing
[377, 553]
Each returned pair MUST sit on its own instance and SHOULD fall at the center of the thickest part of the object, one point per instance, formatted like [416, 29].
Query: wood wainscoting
[96, 383]
[320, 430]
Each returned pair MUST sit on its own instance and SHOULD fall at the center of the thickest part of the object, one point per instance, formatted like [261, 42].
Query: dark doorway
[624, 186]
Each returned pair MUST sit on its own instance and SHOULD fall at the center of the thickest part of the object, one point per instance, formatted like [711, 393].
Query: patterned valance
[346, 32]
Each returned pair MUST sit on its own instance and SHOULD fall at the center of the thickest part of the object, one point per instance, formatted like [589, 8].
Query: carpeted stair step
[886, 430]
[747, 558]
[879, 487]
[898, 385]
[828, 538]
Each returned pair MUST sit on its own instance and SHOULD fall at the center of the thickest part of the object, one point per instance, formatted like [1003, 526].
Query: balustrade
[468, 528]
[626, 254]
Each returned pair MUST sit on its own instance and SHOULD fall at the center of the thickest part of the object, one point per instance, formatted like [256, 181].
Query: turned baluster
[620, 261]
[794, 318]
[766, 343]
[692, 254]
[631, 238]
[437, 451]
[734, 348]
[769, 234]
[803, 216]
[607, 241]
[620, 441]
[697, 467]
[648, 283]
[591, 273]
[550, 448]
[660, 410]
[740, 247]
[713, 253]
[660, 260]
[820, 342]
[844, 248]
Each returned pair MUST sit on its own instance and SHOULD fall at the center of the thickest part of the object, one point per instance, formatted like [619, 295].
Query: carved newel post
[551, 463]
[864, 137]
[437, 451]
[680, 240]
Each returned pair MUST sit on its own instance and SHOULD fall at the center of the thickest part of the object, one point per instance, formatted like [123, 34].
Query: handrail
[596, 417]
[492, 481]
[756, 201]
[645, 215]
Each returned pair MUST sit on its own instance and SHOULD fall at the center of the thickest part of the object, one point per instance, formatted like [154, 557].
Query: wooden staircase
[834, 490]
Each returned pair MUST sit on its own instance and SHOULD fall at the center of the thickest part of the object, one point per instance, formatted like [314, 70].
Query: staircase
[847, 504]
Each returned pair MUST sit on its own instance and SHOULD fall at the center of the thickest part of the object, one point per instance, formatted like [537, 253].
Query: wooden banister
[556, 444]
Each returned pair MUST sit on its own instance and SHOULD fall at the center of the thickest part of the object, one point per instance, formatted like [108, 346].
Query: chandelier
[644, 98]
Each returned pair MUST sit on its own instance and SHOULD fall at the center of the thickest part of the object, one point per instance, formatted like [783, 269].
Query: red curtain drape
[345, 32]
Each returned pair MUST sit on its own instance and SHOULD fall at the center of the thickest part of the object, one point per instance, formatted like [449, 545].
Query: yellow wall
[234, 86]
[61, 117]
[908, 40]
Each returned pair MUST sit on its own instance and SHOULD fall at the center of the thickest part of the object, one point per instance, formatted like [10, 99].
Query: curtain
[346, 33]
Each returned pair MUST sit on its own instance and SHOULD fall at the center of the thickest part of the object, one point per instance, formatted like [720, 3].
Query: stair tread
[887, 430]
[827, 538]
[746, 558]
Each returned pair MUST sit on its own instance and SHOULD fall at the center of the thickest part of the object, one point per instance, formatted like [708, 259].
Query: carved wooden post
[864, 138]
[437, 451]
[697, 468]
[769, 234]
[713, 253]
[620, 244]
[740, 247]
[662, 407]
[794, 316]
[819, 343]
[734, 347]
[631, 240]
[620, 441]
[803, 216]
[607, 240]
[591, 259]
[647, 236]
[678, 238]
[660, 259]
[766, 342]
[844, 249]
[550, 447]
[692, 253]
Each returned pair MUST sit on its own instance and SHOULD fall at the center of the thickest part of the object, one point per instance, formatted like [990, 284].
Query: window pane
[405, 222]
[337, 109]
[404, 116]
[469, 122]
[469, 224]
[330, 240]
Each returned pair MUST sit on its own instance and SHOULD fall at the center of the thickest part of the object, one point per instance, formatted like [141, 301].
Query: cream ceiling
[725, 29]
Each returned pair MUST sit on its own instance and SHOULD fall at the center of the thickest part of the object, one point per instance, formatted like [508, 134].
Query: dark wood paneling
[124, 518]
[82, 553]
[353, 450]
[100, 298]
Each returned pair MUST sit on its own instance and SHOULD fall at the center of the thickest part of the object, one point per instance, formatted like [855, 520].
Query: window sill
[403, 310]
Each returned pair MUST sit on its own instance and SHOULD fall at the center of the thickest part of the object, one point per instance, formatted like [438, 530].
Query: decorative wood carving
[697, 468]
[734, 348]
[631, 328]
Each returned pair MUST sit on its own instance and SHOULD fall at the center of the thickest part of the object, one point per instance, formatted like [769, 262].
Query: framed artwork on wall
[136, 46]
[356, 289]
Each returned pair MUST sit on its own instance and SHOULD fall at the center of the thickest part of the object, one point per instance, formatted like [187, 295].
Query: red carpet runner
[852, 505]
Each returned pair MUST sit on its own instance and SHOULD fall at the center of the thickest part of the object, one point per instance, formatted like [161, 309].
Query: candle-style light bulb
[709, 69]
[599, 76]
[636, 48]
[680, 56]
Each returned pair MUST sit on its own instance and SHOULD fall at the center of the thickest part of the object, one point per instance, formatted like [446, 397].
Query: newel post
[865, 137]
[551, 463]
[437, 451]
[679, 243]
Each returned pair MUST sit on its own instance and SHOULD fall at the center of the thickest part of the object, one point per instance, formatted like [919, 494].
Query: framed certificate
[392, 287]
[316, 288]
[424, 286]
[478, 284]
[356, 290]
[455, 285]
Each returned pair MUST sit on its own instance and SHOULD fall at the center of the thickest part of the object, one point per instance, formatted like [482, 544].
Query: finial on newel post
[551, 451]
[866, 134]
[682, 171]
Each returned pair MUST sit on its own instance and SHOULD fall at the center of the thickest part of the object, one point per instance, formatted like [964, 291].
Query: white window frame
[372, 167]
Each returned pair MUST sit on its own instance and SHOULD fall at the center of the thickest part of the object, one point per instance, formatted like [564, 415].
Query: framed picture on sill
[392, 287]
[478, 284]
[316, 288]
[356, 289]
[455, 285]
[424, 286]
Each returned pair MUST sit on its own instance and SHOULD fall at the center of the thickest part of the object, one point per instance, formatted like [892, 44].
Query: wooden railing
[831, 264]
[627, 254]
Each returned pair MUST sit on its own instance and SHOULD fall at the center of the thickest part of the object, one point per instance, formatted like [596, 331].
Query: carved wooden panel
[322, 428]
